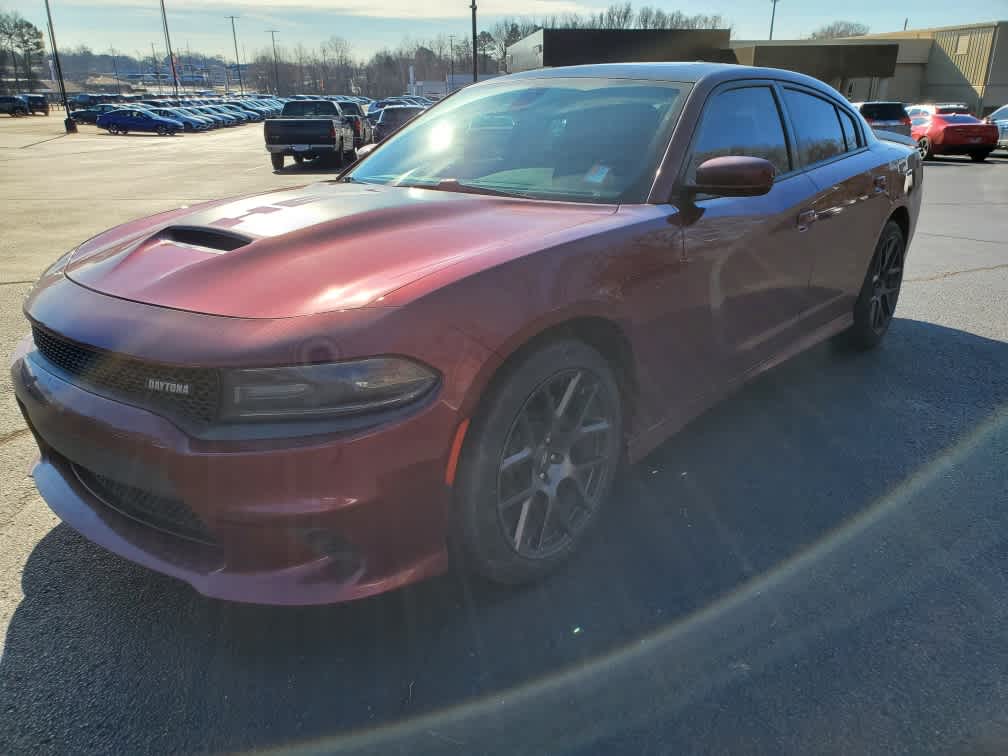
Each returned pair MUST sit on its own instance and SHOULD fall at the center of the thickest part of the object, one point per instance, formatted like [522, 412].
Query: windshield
[583, 139]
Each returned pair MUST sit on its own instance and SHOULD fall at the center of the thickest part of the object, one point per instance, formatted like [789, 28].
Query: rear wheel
[538, 463]
[161, 129]
[876, 304]
[113, 130]
[979, 157]
[277, 159]
[925, 148]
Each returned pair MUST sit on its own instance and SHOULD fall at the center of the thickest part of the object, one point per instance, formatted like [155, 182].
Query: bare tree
[840, 29]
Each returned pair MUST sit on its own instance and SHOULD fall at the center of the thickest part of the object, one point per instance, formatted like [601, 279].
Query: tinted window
[952, 109]
[398, 116]
[850, 131]
[919, 121]
[351, 108]
[1000, 114]
[883, 111]
[817, 126]
[958, 118]
[742, 122]
[310, 108]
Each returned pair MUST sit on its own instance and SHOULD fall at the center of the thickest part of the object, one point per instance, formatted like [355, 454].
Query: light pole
[115, 70]
[773, 13]
[475, 59]
[276, 63]
[451, 64]
[157, 68]
[68, 122]
[234, 34]
[171, 56]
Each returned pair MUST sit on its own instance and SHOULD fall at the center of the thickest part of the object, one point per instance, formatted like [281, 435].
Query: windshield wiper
[454, 185]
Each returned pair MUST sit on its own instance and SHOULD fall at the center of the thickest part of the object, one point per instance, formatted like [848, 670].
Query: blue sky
[131, 25]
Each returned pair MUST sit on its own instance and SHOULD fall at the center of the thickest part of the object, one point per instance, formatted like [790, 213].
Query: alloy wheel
[887, 277]
[924, 147]
[554, 467]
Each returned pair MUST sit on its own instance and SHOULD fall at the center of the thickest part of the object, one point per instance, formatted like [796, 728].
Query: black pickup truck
[310, 129]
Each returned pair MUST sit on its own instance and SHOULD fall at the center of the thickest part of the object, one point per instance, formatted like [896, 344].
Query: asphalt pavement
[817, 565]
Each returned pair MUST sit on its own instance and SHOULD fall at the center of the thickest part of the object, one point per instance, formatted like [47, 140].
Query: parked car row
[944, 128]
[24, 104]
[170, 115]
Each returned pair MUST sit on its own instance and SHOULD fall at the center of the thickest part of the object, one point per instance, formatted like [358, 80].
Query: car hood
[329, 246]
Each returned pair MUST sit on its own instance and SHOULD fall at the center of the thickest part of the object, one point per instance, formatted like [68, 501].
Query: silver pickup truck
[310, 130]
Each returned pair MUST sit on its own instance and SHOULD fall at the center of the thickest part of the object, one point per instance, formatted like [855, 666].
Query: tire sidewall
[862, 332]
[477, 527]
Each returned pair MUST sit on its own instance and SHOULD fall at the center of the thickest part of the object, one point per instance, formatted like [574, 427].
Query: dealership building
[966, 63]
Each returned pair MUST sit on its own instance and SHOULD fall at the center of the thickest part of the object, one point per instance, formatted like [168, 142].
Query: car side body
[685, 295]
[1000, 119]
[126, 120]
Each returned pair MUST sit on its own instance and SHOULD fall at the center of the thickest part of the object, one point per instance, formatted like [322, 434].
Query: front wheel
[113, 130]
[876, 304]
[539, 462]
[161, 130]
[979, 157]
[277, 159]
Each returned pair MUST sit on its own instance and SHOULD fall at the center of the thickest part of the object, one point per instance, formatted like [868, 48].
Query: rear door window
[817, 127]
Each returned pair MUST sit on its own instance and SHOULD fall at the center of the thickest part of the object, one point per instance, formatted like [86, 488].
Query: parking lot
[819, 564]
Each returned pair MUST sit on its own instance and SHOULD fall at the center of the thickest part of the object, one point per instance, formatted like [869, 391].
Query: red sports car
[308, 395]
[953, 134]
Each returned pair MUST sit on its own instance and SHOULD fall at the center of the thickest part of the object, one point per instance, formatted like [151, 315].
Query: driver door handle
[805, 219]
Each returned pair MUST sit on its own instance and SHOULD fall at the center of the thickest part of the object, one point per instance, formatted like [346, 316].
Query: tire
[277, 159]
[876, 303]
[113, 130]
[172, 132]
[925, 148]
[979, 157]
[161, 129]
[512, 530]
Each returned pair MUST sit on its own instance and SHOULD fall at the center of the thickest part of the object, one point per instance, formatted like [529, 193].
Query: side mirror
[734, 176]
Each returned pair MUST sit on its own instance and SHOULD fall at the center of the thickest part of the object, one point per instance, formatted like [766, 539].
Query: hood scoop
[211, 239]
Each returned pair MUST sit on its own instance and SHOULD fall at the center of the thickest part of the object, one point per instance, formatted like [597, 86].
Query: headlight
[326, 390]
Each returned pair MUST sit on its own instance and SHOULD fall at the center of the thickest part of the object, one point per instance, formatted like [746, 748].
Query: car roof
[684, 72]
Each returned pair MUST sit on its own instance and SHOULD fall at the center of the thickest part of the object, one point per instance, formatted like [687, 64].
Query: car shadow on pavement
[103, 656]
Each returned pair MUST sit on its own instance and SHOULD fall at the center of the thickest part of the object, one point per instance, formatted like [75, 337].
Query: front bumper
[307, 520]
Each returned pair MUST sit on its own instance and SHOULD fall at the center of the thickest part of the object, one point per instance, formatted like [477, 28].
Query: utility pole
[68, 122]
[157, 68]
[115, 70]
[475, 58]
[234, 34]
[276, 62]
[451, 65]
[773, 13]
[171, 56]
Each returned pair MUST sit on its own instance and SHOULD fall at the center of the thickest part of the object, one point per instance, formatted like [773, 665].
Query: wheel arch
[902, 218]
[603, 334]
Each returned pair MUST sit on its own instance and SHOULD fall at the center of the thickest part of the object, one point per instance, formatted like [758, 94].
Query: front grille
[196, 390]
[167, 514]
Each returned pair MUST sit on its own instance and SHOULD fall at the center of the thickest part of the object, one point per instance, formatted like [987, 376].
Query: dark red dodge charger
[310, 395]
